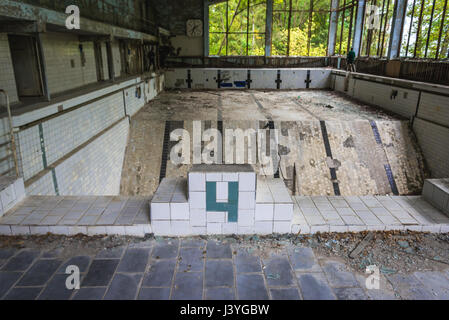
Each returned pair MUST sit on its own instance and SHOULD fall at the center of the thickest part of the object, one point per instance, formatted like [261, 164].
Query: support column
[394, 48]
[206, 28]
[332, 28]
[111, 67]
[360, 17]
[268, 28]
[40, 48]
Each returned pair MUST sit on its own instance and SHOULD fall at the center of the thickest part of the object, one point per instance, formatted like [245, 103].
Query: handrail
[11, 132]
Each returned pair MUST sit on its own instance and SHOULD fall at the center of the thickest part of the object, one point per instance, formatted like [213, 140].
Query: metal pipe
[288, 28]
[309, 33]
[441, 30]
[430, 28]
[381, 23]
[410, 29]
[342, 25]
[11, 132]
[419, 27]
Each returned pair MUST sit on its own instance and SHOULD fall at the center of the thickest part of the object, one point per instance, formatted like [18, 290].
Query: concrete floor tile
[219, 273]
[251, 287]
[154, 294]
[39, 273]
[100, 273]
[134, 260]
[188, 286]
[123, 287]
[191, 259]
[285, 294]
[160, 273]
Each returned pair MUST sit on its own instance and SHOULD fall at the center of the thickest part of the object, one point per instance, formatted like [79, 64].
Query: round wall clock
[194, 28]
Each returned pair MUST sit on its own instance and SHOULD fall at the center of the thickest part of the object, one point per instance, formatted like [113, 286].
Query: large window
[346, 14]
[237, 28]
[300, 27]
[426, 29]
[377, 27]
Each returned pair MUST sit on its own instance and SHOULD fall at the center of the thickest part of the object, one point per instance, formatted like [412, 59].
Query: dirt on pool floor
[392, 252]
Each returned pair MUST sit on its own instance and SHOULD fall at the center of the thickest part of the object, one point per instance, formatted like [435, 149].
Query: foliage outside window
[377, 27]
[237, 28]
[300, 27]
[346, 15]
[426, 29]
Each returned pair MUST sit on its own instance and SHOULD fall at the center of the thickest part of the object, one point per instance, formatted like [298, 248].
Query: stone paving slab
[130, 215]
[293, 273]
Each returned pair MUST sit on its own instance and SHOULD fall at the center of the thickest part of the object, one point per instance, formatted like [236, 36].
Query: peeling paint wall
[173, 15]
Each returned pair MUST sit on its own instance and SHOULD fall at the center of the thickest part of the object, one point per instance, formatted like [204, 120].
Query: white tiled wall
[380, 94]
[434, 141]
[59, 50]
[68, 131]
[206, 78]
[434, 108]
[133, 100]
[7, 79]
[94, 170]
[64, 133]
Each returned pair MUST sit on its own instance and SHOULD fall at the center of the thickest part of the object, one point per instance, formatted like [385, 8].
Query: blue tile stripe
[231, 207]
[388, 171]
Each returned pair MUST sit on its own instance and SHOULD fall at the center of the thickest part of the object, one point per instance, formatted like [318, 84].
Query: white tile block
[246, 218]
[433, 228]
[222, 192]
[116, 230]
[94, 230]
[230, 177]
[336, 228]
[160, 211]
[19, 188]
[199, 230]
[161, 227]
[146, 228]
[215, 217]
[263, 227]
[247, 200]
[197, 181]
[179, 211]
[74, 230]
[283, 212]
[319, 228]
[230, 228]
[197, 200]
[356, 228]
[181, 228]
[246, 230]
[213, 176]
[247, 181]
[300, 229]
[214, 228]
[5, 230]
[264, 212]
[135, 231]
[198, 217]
[281, 227]
[63, 230]
[20, 230]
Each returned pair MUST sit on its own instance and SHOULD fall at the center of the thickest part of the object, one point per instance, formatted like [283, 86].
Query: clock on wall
[194, 28]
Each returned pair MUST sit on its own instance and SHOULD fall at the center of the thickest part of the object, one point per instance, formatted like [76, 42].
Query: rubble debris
[359, 248]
